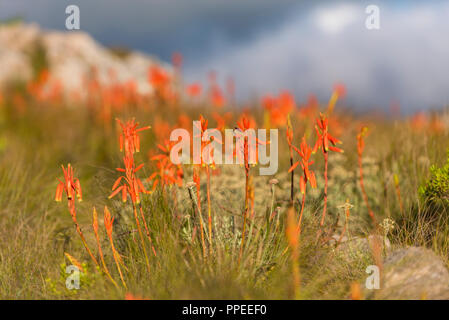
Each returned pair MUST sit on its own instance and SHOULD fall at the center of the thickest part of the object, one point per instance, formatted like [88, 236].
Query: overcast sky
[269, 45]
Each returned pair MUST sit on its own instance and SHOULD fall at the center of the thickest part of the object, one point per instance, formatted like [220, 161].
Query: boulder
[412, 273]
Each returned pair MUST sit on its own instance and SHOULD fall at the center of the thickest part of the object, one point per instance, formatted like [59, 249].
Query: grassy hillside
[40, 130]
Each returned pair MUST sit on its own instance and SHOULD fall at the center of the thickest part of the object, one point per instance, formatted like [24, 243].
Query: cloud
[334, 20]
[405, 61]
[159, 26]
[271, 45]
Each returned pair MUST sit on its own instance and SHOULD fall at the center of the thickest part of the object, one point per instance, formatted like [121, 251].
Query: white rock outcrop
[71, 57]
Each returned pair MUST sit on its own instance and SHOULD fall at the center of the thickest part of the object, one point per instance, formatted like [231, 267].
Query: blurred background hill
[266, 46]
[71, 58]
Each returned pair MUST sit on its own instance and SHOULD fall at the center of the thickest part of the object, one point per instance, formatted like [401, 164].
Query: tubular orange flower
[164, 158]
[325, 142]
[293, 242]
[197, 182]
[100, 251]
[129, 139]
[339, 92]
[243, 125]
[74, 261]
[289, 135]
[324, 137]
[360, 147]
[108, 224]
[286, 104]
[217, 97]
[130, 296]
[278, 108]
[161, 81]
[242, 150]
[130, 143]
[419, 121]
[221, 120]
[356, 293]
[208, 163]
[72, 187]
[194, 90]
[158, 77]
[308, 176]
[166, 174]
[133, 186]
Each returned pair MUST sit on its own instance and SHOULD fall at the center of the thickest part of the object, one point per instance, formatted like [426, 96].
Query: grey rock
[412, 273]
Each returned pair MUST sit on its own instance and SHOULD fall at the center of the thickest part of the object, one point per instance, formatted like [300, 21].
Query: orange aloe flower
[419, 121]
[278, 108]
[308, 175]
[132, 186]
[71, 186]
[221, 120]
[161, 80]
[100, 251]
[244, 124]
[436, 125]
[202, 133]
[289, 136]
[194, 90]
[202, 127]
[360, 141]
[108, 224]
[304, 152]
[162, 129]
[158, 77]
[217, 97]
[324, 137]
[74, 261]
[165, 148]
[166, 174]
[129, 143]
[339, 92]
[184, 122]
[293, 243]
[323, 142]
[286, 104]
[360, 148]
[130, 296]
[129, 138]
[164, 156]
